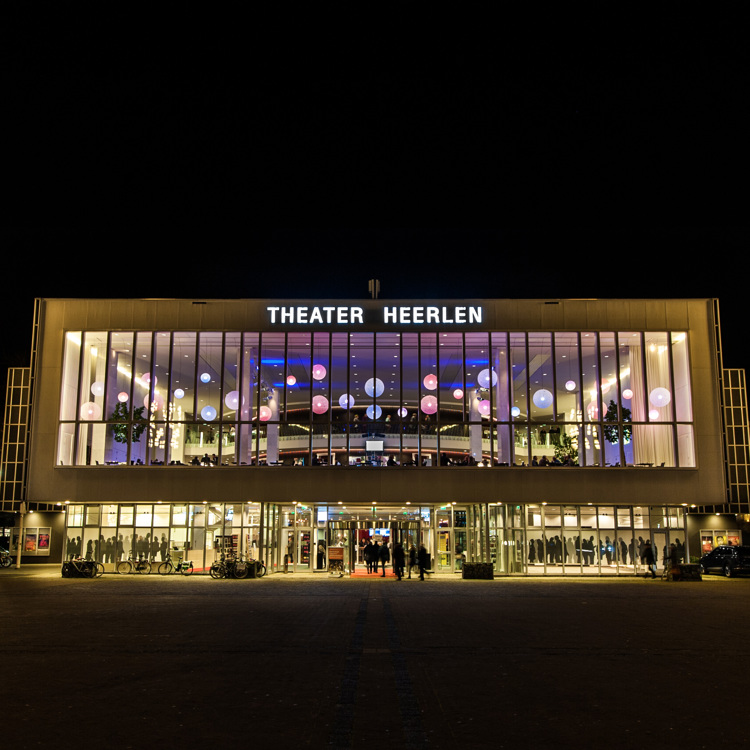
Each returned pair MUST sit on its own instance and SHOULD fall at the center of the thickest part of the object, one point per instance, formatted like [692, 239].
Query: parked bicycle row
[227, 566]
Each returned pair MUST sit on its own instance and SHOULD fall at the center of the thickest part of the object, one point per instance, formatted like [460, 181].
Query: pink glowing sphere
[320, 404]
[627, 393]
[484, 407]
[458, 394]
[90, 411]
[265, 414]
[122, 397]
[318, 372]
[428, 404]
[291, 380]
[430, 382]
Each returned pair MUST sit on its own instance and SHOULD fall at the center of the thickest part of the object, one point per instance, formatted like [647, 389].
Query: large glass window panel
[182, 389]
[91, 444]
[683, 401]
[119, 396]
[428, 411]
[249, 389]
[653, 445]
[686, 445]
[521, 445]
[210, 359]
[568, 377]
[592, 408]
[541, 377]
[71, 366]
[592, 443]
[160, 377]
[658, 381]
[452, 390]
[66, 445]
[93, 375]
[519, 371]
[341, 401]
[230, 405]
[410, 391]
[502, 445]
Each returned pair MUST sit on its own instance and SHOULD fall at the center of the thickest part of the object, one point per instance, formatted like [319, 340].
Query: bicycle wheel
[124, 567]
[165, 568]
[241, 570]
[217, 570]
[144, 567]
[98, 570]
[5, 561]
[187, 569]
[261, 570]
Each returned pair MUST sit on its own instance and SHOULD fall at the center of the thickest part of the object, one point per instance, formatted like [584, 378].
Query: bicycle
[5, 559]
[260, 567]
[141, 565]
[229, 567]
[167, 567]
[77, 567]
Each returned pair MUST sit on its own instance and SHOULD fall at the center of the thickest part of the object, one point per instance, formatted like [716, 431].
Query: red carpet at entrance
[364, 574]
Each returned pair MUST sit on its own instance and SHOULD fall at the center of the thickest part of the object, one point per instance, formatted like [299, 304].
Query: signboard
[354, 315]
[336, 553]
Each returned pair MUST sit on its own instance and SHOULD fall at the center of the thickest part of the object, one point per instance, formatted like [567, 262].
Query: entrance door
[444, 551]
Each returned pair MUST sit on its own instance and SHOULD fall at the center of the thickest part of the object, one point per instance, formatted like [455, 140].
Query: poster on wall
[36, 541]
[707, 542]
[733, 538]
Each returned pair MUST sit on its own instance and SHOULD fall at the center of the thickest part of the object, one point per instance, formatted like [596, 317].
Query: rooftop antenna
[373, 286]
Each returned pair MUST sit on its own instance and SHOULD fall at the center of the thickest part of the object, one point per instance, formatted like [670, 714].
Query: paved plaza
[290, 661]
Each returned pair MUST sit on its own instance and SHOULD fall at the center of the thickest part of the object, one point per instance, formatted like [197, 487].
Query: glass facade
[517, 539]
[495, 399]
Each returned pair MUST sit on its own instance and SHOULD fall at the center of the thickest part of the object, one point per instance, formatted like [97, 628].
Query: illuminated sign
[395, 314]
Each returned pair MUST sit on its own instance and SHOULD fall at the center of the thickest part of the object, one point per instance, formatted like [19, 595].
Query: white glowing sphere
[653, 414]
[430, 382]
[515, 411]
[346, 401]
[484, 407]
[232, 399]
[90, 411]
[374, 412]
[208, 413]
[97, 388]
[542, 399]
[122, 397]
[265, 413]
[660, 397]
[402, 412]
[320, 404]
[318, 372]
[179, 393]
[374, 387]
[570, 385]
[483, 378]
[428, 404]
[458, 394]
[205, 377]
[291, 380]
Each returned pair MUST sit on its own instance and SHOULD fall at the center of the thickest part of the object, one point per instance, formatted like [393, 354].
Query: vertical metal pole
[19, 546]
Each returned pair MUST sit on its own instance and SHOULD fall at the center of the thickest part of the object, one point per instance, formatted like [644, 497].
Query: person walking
[647, 558]
[412, 559]
[375, 557]
[422, 561]
[385, 555]
[399, 560]
[367, 553]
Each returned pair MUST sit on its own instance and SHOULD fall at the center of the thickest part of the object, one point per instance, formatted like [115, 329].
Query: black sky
[268, 164]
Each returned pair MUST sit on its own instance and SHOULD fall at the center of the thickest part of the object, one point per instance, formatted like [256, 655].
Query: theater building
[543, 437]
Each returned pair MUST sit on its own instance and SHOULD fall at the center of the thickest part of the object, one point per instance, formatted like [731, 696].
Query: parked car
[726, 559]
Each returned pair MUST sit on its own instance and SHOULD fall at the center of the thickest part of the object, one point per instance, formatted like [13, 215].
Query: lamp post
[19, 546]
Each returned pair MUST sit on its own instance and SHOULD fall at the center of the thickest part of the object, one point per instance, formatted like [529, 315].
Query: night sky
[165, 167]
